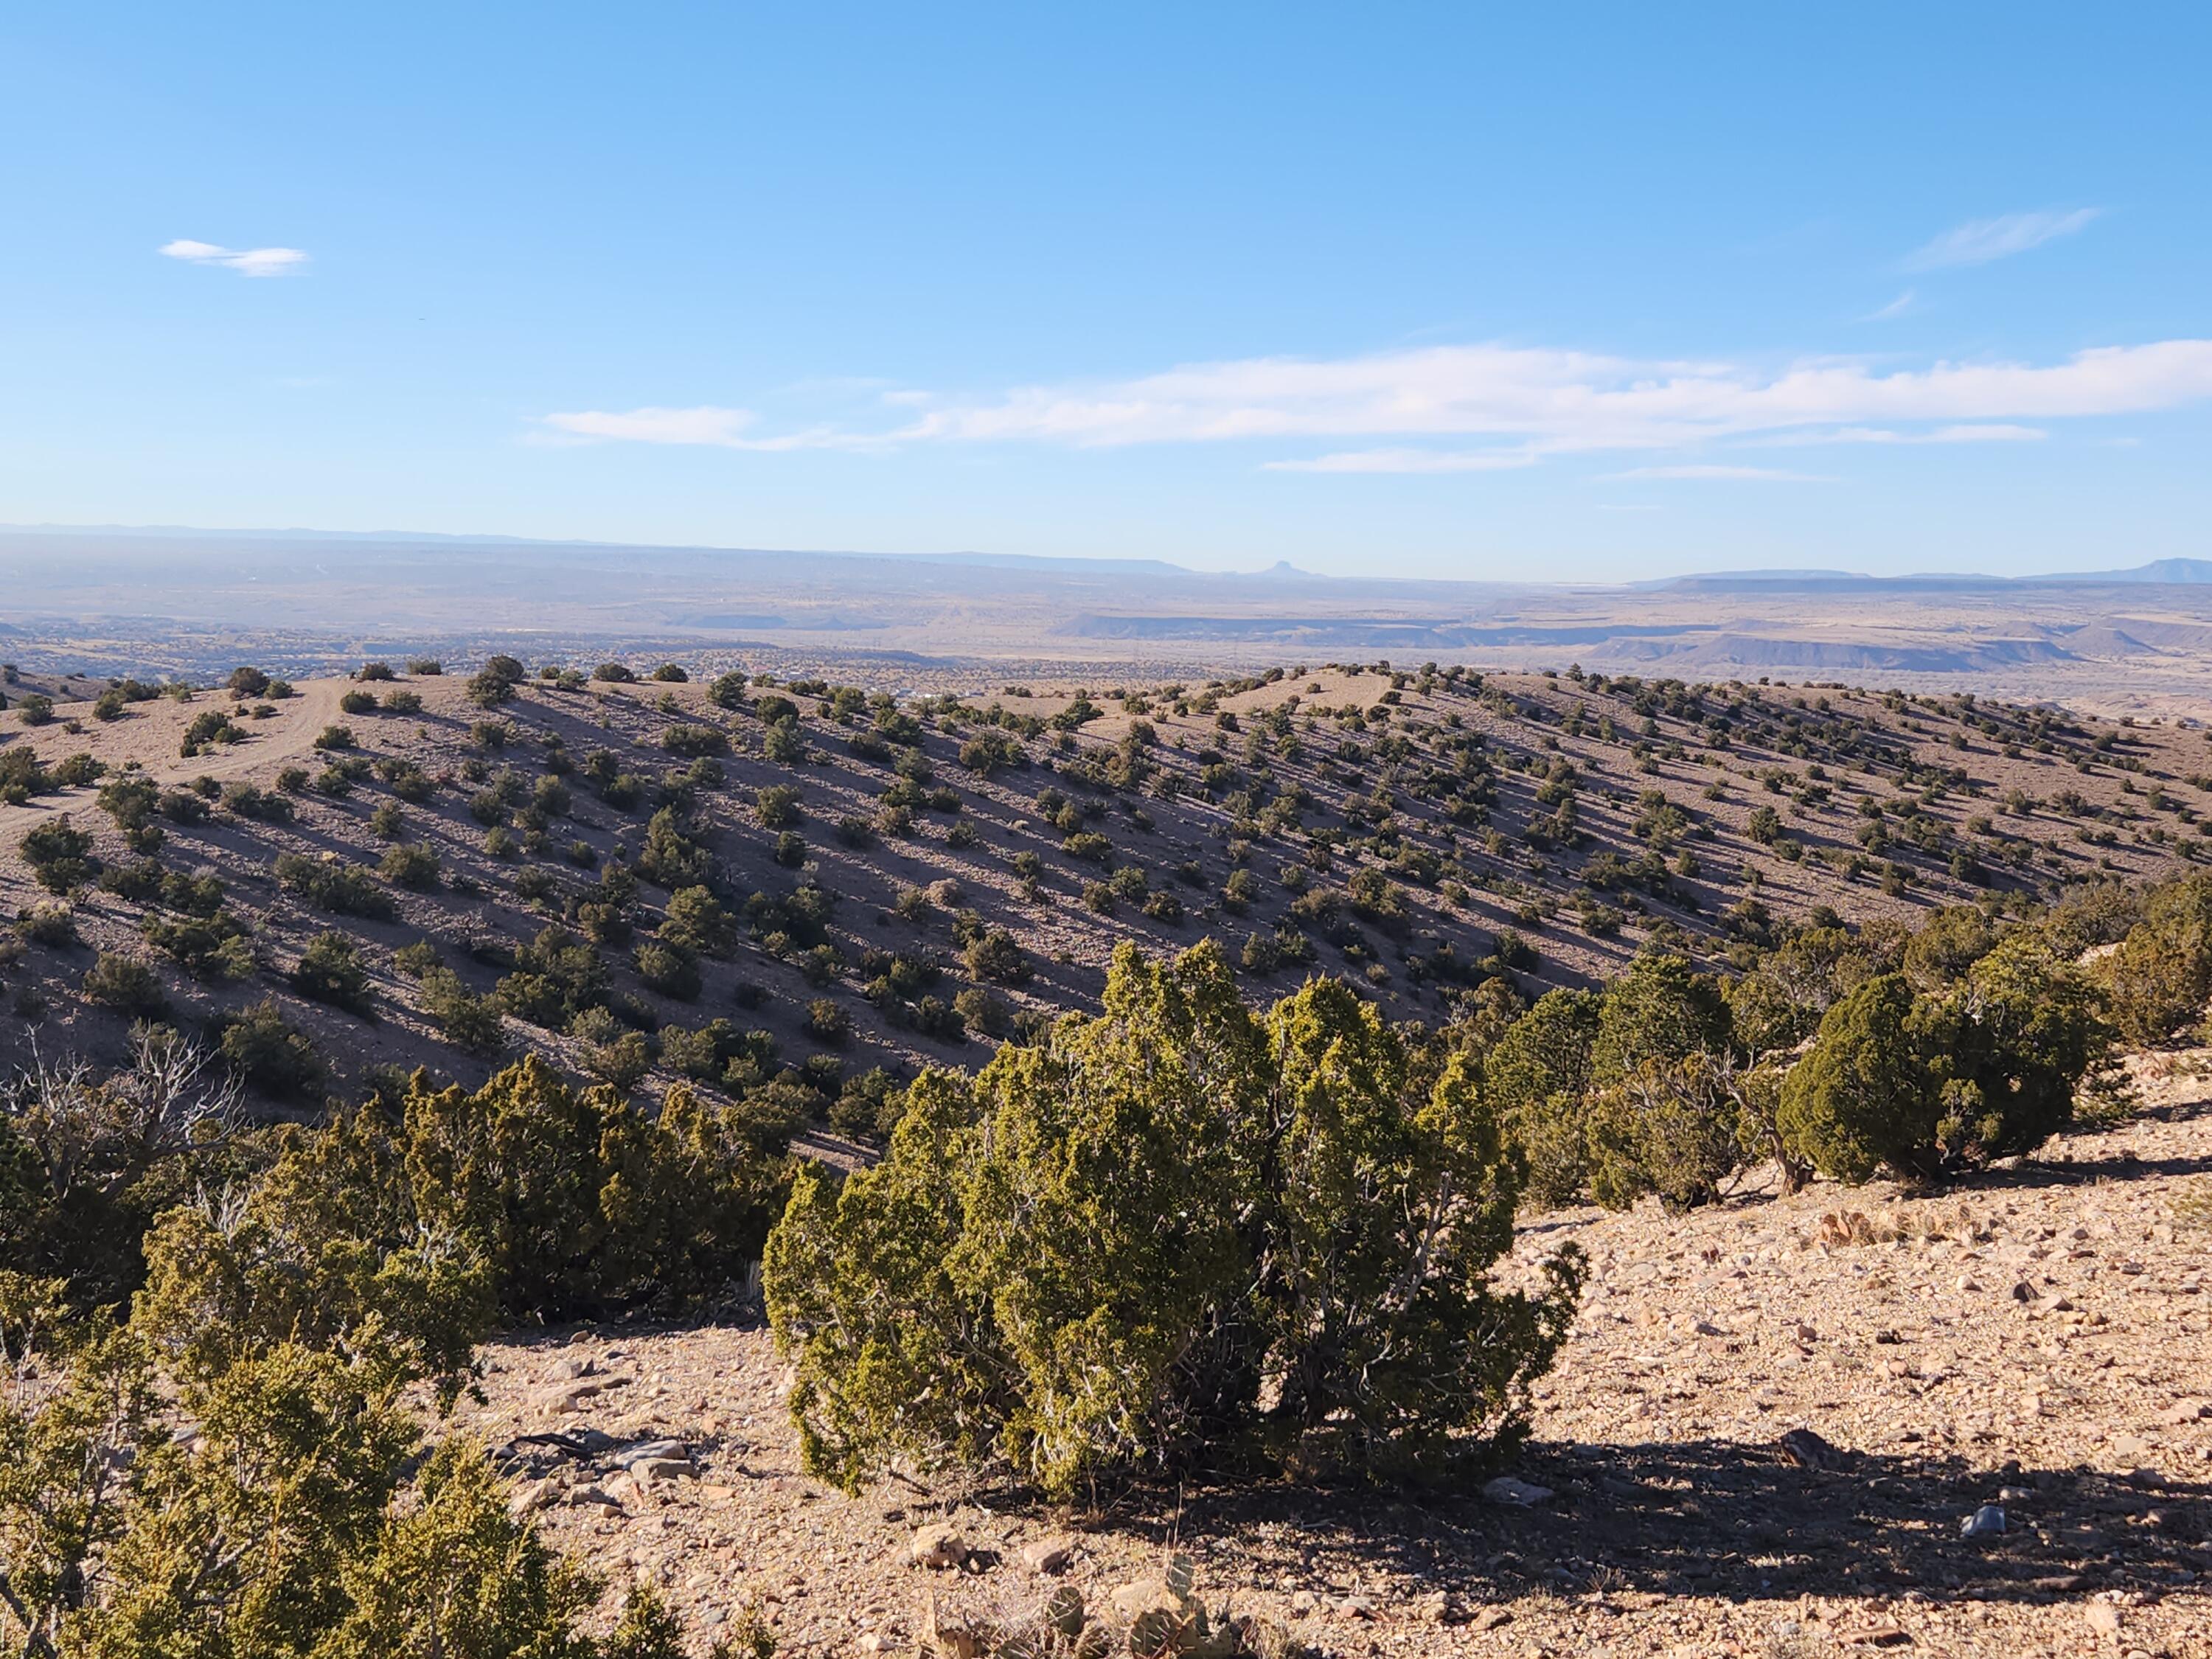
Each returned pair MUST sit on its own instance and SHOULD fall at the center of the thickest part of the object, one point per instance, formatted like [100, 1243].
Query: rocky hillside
[654, 878]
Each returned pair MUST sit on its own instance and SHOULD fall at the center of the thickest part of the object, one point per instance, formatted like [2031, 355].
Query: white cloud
[1896, 307]
[703, 425]
[248, 262]
[1980, 241]
[1409, 460]
[1987, 433]
[1731, 474]
[706, 424]
[1517, 403]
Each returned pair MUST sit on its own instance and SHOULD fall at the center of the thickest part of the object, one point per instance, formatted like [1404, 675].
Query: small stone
[1504, 1489]
[1356, 1606]
[2131, 1447]
[2104, 1619]
[1434, 1608]
[2187, 1411]
[2014, 1494]
[643, 1451]
[2023, 1292]
[1808, 1450]
[1303, 1603]
[1491, 1619]
[530, 1498]
[1048, 1554]
[937, 1547]
[1987, 1521]
[593, 1497]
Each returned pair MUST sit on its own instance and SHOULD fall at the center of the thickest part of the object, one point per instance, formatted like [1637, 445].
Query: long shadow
[1720, 1518]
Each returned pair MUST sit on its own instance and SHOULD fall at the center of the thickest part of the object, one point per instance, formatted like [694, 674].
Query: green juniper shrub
[126, 984]
[410, 865]
[60, 856]
[331, 971]
[468, 1021]
[2159, 975]
[1929, 1084]
[342, 889]
[1178, 1234]
[1536, 1076]
[270, 1052]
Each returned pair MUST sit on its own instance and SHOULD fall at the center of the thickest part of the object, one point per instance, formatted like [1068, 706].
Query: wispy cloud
[1984, 432]
[1410, 461]
[246, 262]
[1724, 474]
[1980, 241]
[1506, 404]
[707, 424]
[1896, 307]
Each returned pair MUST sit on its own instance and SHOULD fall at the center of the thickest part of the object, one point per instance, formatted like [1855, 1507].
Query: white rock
[1504, 1489]
[1987, 1521]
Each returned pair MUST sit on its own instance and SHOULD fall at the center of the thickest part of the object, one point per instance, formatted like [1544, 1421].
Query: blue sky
[1581, 292]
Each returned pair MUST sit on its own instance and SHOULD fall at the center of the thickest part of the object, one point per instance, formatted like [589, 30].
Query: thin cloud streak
[1998, 433]
[1409, 461]
[1724, 474]
[1980, 241]
[246, 262]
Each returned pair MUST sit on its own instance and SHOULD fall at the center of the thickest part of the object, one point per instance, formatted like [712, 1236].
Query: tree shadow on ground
[1720, 1519]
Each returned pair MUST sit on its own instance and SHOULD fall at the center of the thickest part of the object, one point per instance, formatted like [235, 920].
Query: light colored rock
[1048, 1554]
[937, 1547]
[1987, 1521]
[1504, 1489]
[532, 1497]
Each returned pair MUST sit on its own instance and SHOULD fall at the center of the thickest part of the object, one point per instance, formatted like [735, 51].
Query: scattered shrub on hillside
[331, 971]
[342, 889]
[60, 856]
[410, 865]
[207, 729]
[466, 1020]
[126, 984]
[271, 1054]
[209, 947]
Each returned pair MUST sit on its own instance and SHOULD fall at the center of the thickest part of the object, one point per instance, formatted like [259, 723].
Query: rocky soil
[1850, 1421]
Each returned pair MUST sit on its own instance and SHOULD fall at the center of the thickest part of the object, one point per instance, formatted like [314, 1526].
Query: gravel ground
[2037, 1344]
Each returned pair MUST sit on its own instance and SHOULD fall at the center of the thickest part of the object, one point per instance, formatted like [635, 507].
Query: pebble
[1504, 1489]
[937, 1547]
[1048, 1554]
[1987, 1521]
